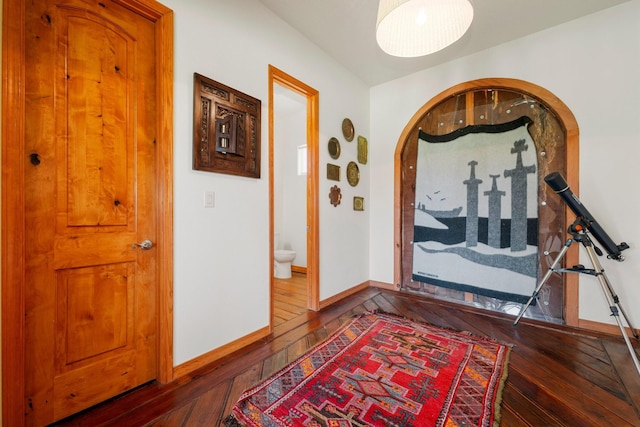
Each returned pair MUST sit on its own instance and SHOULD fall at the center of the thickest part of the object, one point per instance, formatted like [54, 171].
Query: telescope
[586, 222]
[560, 186]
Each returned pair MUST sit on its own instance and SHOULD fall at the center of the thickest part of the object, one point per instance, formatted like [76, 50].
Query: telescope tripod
[578, 231]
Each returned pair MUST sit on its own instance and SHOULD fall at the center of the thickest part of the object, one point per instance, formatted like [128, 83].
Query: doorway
[289, 204]
[301, 292]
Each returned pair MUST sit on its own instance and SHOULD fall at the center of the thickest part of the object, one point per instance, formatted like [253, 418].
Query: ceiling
[345, 30]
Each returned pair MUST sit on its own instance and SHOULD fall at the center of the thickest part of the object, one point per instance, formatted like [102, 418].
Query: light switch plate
[209, 199]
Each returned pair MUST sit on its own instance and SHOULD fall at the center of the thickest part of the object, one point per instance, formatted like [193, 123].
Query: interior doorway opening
[289, 90]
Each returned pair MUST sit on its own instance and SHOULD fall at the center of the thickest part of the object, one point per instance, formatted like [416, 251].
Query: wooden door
[90, 291]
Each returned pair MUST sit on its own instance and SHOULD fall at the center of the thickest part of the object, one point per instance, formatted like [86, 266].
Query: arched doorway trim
[570, 128]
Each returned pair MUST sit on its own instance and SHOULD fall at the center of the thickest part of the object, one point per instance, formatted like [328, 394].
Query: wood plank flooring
[557, 376]
[289, 297]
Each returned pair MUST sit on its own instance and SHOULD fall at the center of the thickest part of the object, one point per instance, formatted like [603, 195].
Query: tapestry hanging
[476, 214]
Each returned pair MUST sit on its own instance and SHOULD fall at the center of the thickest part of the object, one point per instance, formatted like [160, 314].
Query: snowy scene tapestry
[476, 214]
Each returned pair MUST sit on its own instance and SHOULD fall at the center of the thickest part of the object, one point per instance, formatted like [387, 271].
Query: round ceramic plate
[334, 147]
[353, 174]
[347, 130]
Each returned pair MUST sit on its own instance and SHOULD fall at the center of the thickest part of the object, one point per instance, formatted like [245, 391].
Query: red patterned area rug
[383, 370]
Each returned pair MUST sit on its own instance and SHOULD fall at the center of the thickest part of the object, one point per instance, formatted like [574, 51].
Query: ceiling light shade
[410, 28]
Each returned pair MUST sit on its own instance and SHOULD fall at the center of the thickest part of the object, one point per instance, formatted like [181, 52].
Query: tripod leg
[616, 301]
[614, 304]
[551, 269]
[615, 308]
[610, 294]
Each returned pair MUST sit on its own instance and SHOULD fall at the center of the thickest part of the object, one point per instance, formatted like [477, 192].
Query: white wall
[593, 65]
[221, 283]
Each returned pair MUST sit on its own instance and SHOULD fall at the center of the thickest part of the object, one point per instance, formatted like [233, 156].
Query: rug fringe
[231, 421]
[421, 321]
[497, 413]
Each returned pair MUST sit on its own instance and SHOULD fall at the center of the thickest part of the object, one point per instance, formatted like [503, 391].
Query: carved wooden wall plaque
[226, 129]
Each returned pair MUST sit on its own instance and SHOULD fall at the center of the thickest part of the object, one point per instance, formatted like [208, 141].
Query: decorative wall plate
[358, 203]
[353, 174]
[335, 195]
[347, 130]
[334, 147]
[333, 172]
[363, 150]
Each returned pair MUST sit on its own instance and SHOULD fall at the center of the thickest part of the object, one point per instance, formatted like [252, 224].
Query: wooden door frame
[13, 200]
[281, 78]
[568, 121]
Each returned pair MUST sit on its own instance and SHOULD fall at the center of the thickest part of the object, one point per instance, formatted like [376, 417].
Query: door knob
[144, 245]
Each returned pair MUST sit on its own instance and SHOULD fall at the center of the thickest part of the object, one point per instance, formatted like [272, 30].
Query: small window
[302, 159]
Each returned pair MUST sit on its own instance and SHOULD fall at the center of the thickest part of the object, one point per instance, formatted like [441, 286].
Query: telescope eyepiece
[618, 257]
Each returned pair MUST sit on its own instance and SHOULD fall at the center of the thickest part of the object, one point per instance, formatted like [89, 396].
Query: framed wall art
[226, 129]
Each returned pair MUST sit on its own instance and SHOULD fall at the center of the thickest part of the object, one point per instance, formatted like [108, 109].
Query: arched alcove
[554, 132]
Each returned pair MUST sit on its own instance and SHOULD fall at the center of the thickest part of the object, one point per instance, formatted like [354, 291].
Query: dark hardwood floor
[557, 376]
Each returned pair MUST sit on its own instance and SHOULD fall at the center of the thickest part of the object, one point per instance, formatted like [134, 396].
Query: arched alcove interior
[554, 132]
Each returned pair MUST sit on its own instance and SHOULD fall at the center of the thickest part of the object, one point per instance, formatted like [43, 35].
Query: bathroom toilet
[282, 263]
[282, 260]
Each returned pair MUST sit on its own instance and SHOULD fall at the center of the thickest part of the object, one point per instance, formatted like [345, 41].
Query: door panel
[90, 294]
[94, 312]
[93, 90]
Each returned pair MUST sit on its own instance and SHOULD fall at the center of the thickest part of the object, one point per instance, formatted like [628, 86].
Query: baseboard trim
[218, 353]
[589, 325]
[298, 269]
[605, 328]
[343, 294]
[384, 285]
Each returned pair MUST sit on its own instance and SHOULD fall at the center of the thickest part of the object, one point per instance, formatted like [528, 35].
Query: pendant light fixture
[410, 28]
